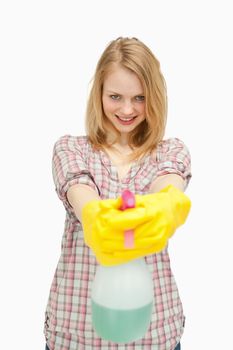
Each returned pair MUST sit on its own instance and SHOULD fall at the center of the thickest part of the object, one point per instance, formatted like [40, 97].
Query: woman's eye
[115, 97]
[140, 98]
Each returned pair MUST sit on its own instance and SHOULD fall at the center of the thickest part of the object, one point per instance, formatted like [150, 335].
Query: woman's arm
[79, 195]
[165, 180]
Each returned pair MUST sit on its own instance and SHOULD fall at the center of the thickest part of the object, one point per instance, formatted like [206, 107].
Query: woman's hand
[153, 220]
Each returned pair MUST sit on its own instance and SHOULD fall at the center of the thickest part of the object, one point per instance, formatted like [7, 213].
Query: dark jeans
[176, 348]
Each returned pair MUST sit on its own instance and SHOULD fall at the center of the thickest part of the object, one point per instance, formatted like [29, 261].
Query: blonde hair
[134, 55]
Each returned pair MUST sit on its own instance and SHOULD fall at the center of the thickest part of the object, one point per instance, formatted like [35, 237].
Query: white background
[49, 50]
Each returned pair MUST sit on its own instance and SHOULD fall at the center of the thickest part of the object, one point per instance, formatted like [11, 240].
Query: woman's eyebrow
[117, 93]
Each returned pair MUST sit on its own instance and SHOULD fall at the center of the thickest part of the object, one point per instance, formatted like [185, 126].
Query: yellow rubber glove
[153, 220]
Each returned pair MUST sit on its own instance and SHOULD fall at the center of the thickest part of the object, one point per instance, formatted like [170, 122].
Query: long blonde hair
[134, 55]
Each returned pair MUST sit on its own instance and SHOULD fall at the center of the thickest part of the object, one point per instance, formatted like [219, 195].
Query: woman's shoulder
[72, 138]
[72, 142]
[173, 146]
[171, 143]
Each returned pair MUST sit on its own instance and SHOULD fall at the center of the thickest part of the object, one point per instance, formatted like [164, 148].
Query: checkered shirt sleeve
[69, 168]
[173, 157]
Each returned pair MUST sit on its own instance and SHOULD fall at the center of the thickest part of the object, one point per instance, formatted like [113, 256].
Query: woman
[123, 149]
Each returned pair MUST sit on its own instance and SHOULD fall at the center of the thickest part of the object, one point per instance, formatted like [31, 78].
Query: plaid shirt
[68, 323]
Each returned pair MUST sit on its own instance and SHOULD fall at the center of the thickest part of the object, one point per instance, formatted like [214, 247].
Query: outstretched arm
[165, 180]
[79, 195]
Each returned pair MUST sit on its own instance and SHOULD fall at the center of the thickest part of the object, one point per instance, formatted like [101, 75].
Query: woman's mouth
[125, 120]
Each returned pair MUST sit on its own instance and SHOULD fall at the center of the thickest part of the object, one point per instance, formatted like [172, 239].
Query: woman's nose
[127, 108]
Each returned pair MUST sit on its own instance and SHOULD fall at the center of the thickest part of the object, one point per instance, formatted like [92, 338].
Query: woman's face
[123, 100]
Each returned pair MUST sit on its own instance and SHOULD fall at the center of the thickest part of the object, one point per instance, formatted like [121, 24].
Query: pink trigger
[129, 239]
[128, 201]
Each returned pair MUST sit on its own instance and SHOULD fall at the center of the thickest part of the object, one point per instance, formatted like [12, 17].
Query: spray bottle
[122, 295]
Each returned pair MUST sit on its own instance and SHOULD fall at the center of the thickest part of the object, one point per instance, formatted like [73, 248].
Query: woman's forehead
[122, 80]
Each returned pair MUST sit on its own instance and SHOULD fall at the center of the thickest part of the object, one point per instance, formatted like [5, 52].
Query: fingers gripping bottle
[122, 295]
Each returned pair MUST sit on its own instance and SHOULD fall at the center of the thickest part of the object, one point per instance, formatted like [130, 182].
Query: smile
[126, 119]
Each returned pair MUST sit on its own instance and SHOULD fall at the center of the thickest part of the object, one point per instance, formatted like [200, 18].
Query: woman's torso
[69, 308]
